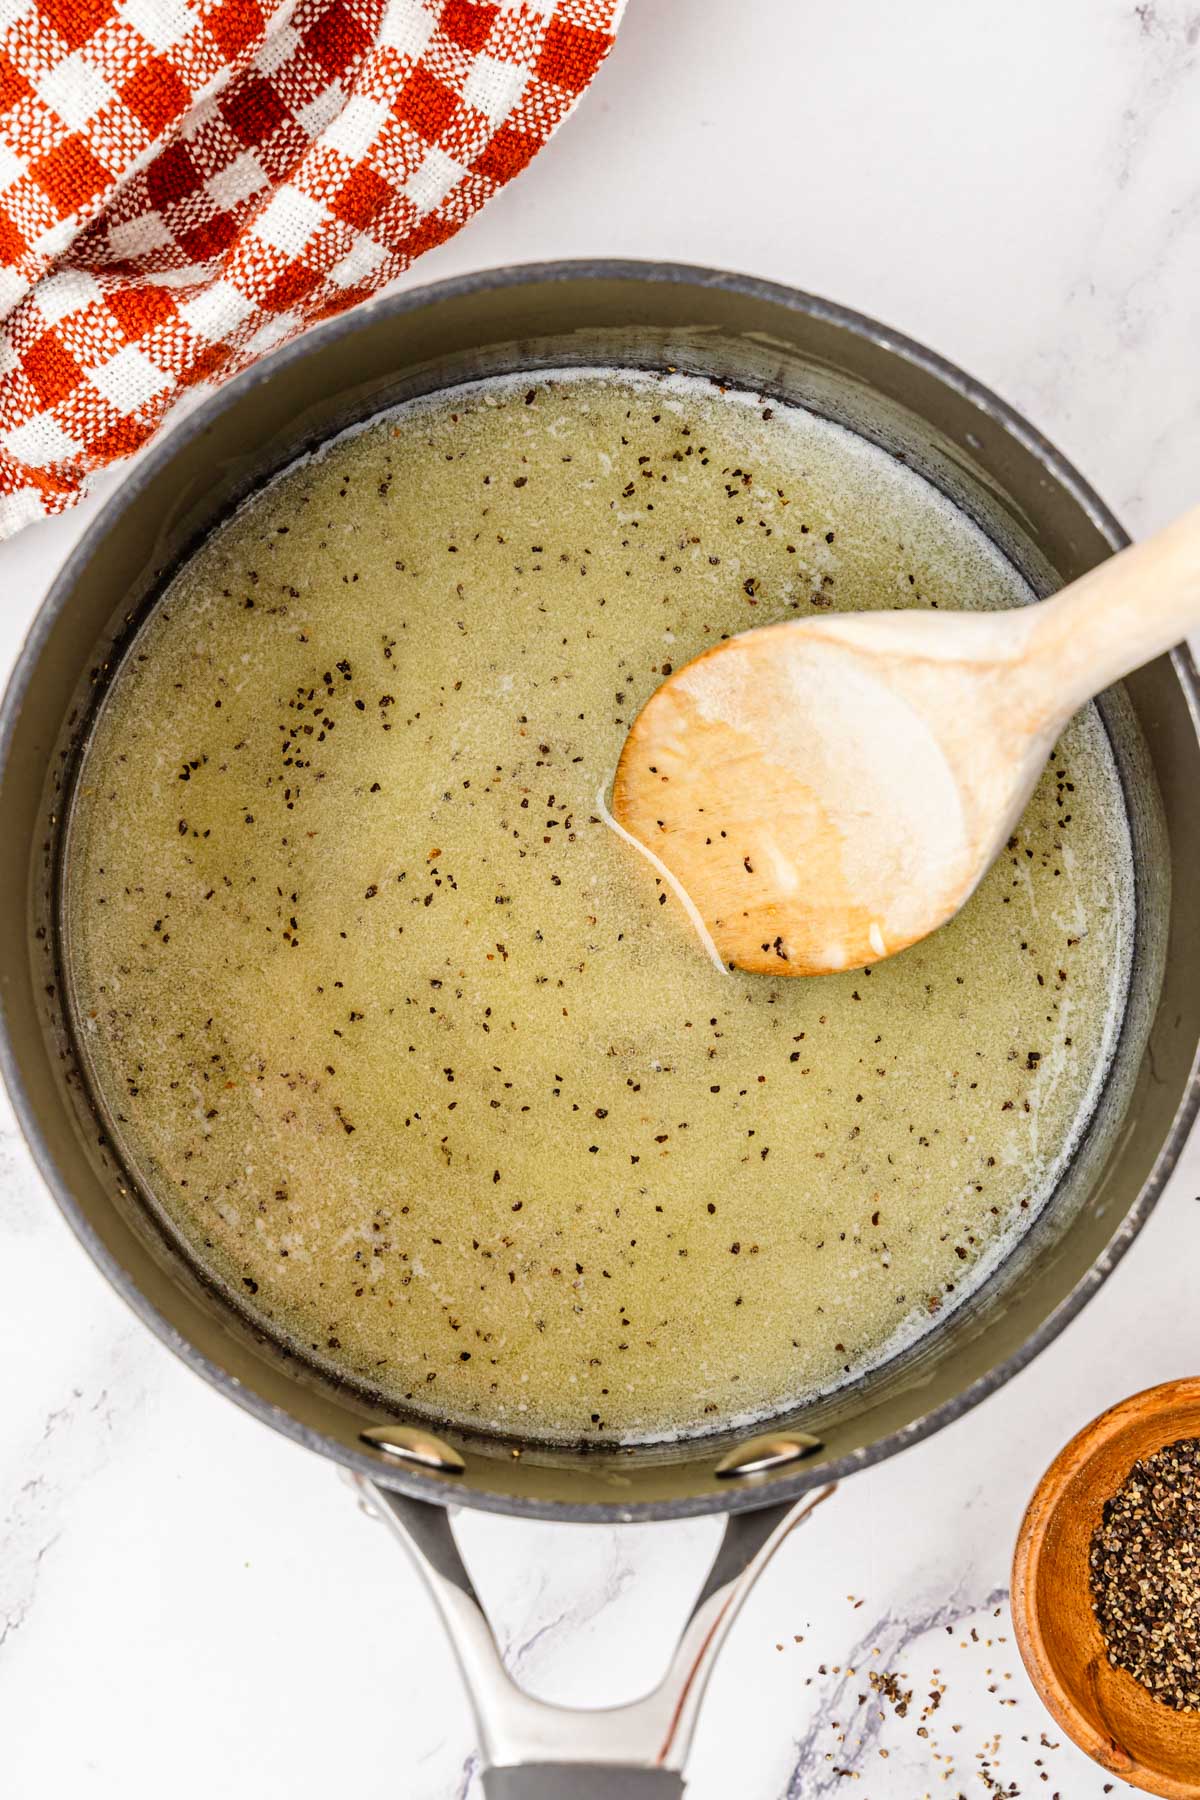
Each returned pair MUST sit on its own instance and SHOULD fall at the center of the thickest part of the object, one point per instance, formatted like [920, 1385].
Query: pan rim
[441, 1490]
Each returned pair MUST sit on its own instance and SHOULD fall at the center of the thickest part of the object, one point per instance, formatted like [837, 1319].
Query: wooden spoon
[827, 791]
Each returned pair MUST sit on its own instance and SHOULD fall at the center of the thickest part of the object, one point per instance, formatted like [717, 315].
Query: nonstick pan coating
[785, 344]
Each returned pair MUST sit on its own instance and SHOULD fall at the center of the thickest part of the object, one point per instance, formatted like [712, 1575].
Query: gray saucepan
[1043, 516]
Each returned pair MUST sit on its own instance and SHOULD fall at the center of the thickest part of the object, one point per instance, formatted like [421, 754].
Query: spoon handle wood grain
[1122, 614]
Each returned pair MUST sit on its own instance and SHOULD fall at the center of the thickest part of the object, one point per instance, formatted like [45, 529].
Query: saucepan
[1040, 513]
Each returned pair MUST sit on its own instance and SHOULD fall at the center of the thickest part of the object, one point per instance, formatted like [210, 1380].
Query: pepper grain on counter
[424, 1061]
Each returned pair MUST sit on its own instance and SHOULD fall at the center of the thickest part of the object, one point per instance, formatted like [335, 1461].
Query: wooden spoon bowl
[1105, 1711]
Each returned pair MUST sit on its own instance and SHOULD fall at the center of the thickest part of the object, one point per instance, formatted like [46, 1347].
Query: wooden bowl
[1106, 1712]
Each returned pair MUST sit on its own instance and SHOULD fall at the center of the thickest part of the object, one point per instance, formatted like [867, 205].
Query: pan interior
[887, 1253]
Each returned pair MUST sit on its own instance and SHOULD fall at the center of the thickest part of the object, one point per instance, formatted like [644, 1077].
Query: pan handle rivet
[773, 1450]
[413, 1444]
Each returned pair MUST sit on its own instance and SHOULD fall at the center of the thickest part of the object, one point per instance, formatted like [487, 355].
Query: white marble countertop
[188, 1603]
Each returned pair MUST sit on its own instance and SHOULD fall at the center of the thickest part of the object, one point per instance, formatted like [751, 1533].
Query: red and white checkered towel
[185, 184]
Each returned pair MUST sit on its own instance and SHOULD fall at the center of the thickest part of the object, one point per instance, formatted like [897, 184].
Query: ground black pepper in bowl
[1145, 1574]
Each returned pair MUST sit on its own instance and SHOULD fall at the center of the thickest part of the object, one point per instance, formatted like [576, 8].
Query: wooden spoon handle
[1115, 618]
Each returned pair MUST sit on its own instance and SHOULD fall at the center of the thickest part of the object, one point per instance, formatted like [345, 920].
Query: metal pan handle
[552, 1781]
[535, 1750]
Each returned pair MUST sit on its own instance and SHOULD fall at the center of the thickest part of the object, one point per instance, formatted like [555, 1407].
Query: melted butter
[424, 1063]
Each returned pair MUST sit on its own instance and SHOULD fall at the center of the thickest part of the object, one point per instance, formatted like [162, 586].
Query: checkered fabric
[185, 184]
